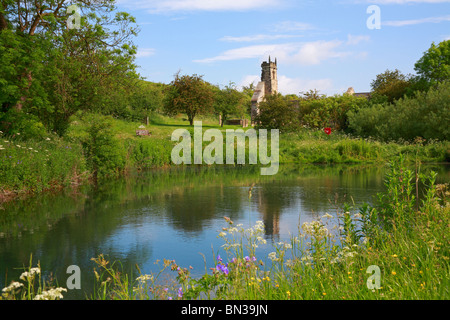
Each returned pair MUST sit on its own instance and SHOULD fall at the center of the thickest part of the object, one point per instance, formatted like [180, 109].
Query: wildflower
[180, 293]
[26, 275]
[273, 256]
[51, 294]
[324, 293]
[222, 234]
[327, 215]
[394, 256]
[261, 240]
[219, 258]
[12, 287]
[145, 278]
[48, 139]
[394, 273]
[221, 267]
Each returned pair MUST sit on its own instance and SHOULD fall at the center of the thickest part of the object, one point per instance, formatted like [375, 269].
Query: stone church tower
[269, 76]
[267, 86]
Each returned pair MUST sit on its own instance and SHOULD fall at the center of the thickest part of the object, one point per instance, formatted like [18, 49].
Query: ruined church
[267, 86]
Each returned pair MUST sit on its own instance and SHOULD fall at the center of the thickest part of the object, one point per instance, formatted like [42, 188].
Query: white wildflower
[48, 139]
[357, 215]
[289, 263]
[222, 234]
[231, 230]
[261, 240]
[273, 256]
[12, 287]
[145, 277]
[24, 276]
[51, 294]
[327, 215]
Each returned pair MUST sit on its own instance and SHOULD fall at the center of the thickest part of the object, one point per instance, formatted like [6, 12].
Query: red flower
[327, 131]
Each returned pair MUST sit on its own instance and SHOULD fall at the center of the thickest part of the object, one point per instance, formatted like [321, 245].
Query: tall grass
[37, 165]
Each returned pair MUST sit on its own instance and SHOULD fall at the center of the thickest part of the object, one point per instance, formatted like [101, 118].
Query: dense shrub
[22, 125]
[104, 153]
[277, 112]
[329, 111]
[426, 115]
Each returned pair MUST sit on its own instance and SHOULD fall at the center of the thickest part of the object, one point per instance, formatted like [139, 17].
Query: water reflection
[174, 213]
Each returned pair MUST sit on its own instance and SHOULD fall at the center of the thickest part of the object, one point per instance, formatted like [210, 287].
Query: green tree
[434, 65]
[188, 94]
[228, 101]
[278, 112]
[58, 70]
[392, 84]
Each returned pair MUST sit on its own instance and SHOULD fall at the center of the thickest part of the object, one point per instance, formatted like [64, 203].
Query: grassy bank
[397, 249]
[96, 147]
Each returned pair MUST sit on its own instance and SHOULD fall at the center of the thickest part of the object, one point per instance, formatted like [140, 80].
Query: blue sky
[324, 45]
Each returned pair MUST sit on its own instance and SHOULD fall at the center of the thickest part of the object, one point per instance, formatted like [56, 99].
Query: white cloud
[159, 6]
[303, 53]
[401, 23]
[255, 51]
[258, 37]
[405, 1]
[288, 26]
[248, 79]
[288, 85]
[353, 40]
[145, 52]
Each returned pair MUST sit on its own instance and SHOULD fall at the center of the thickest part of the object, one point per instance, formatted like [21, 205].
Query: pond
[174, 213]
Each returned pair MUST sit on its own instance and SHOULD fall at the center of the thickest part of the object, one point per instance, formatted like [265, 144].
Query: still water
[173, 214]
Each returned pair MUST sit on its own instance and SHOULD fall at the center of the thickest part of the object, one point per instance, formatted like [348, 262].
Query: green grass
[80, 155]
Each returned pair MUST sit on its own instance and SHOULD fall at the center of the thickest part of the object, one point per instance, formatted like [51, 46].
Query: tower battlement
[269, 76]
